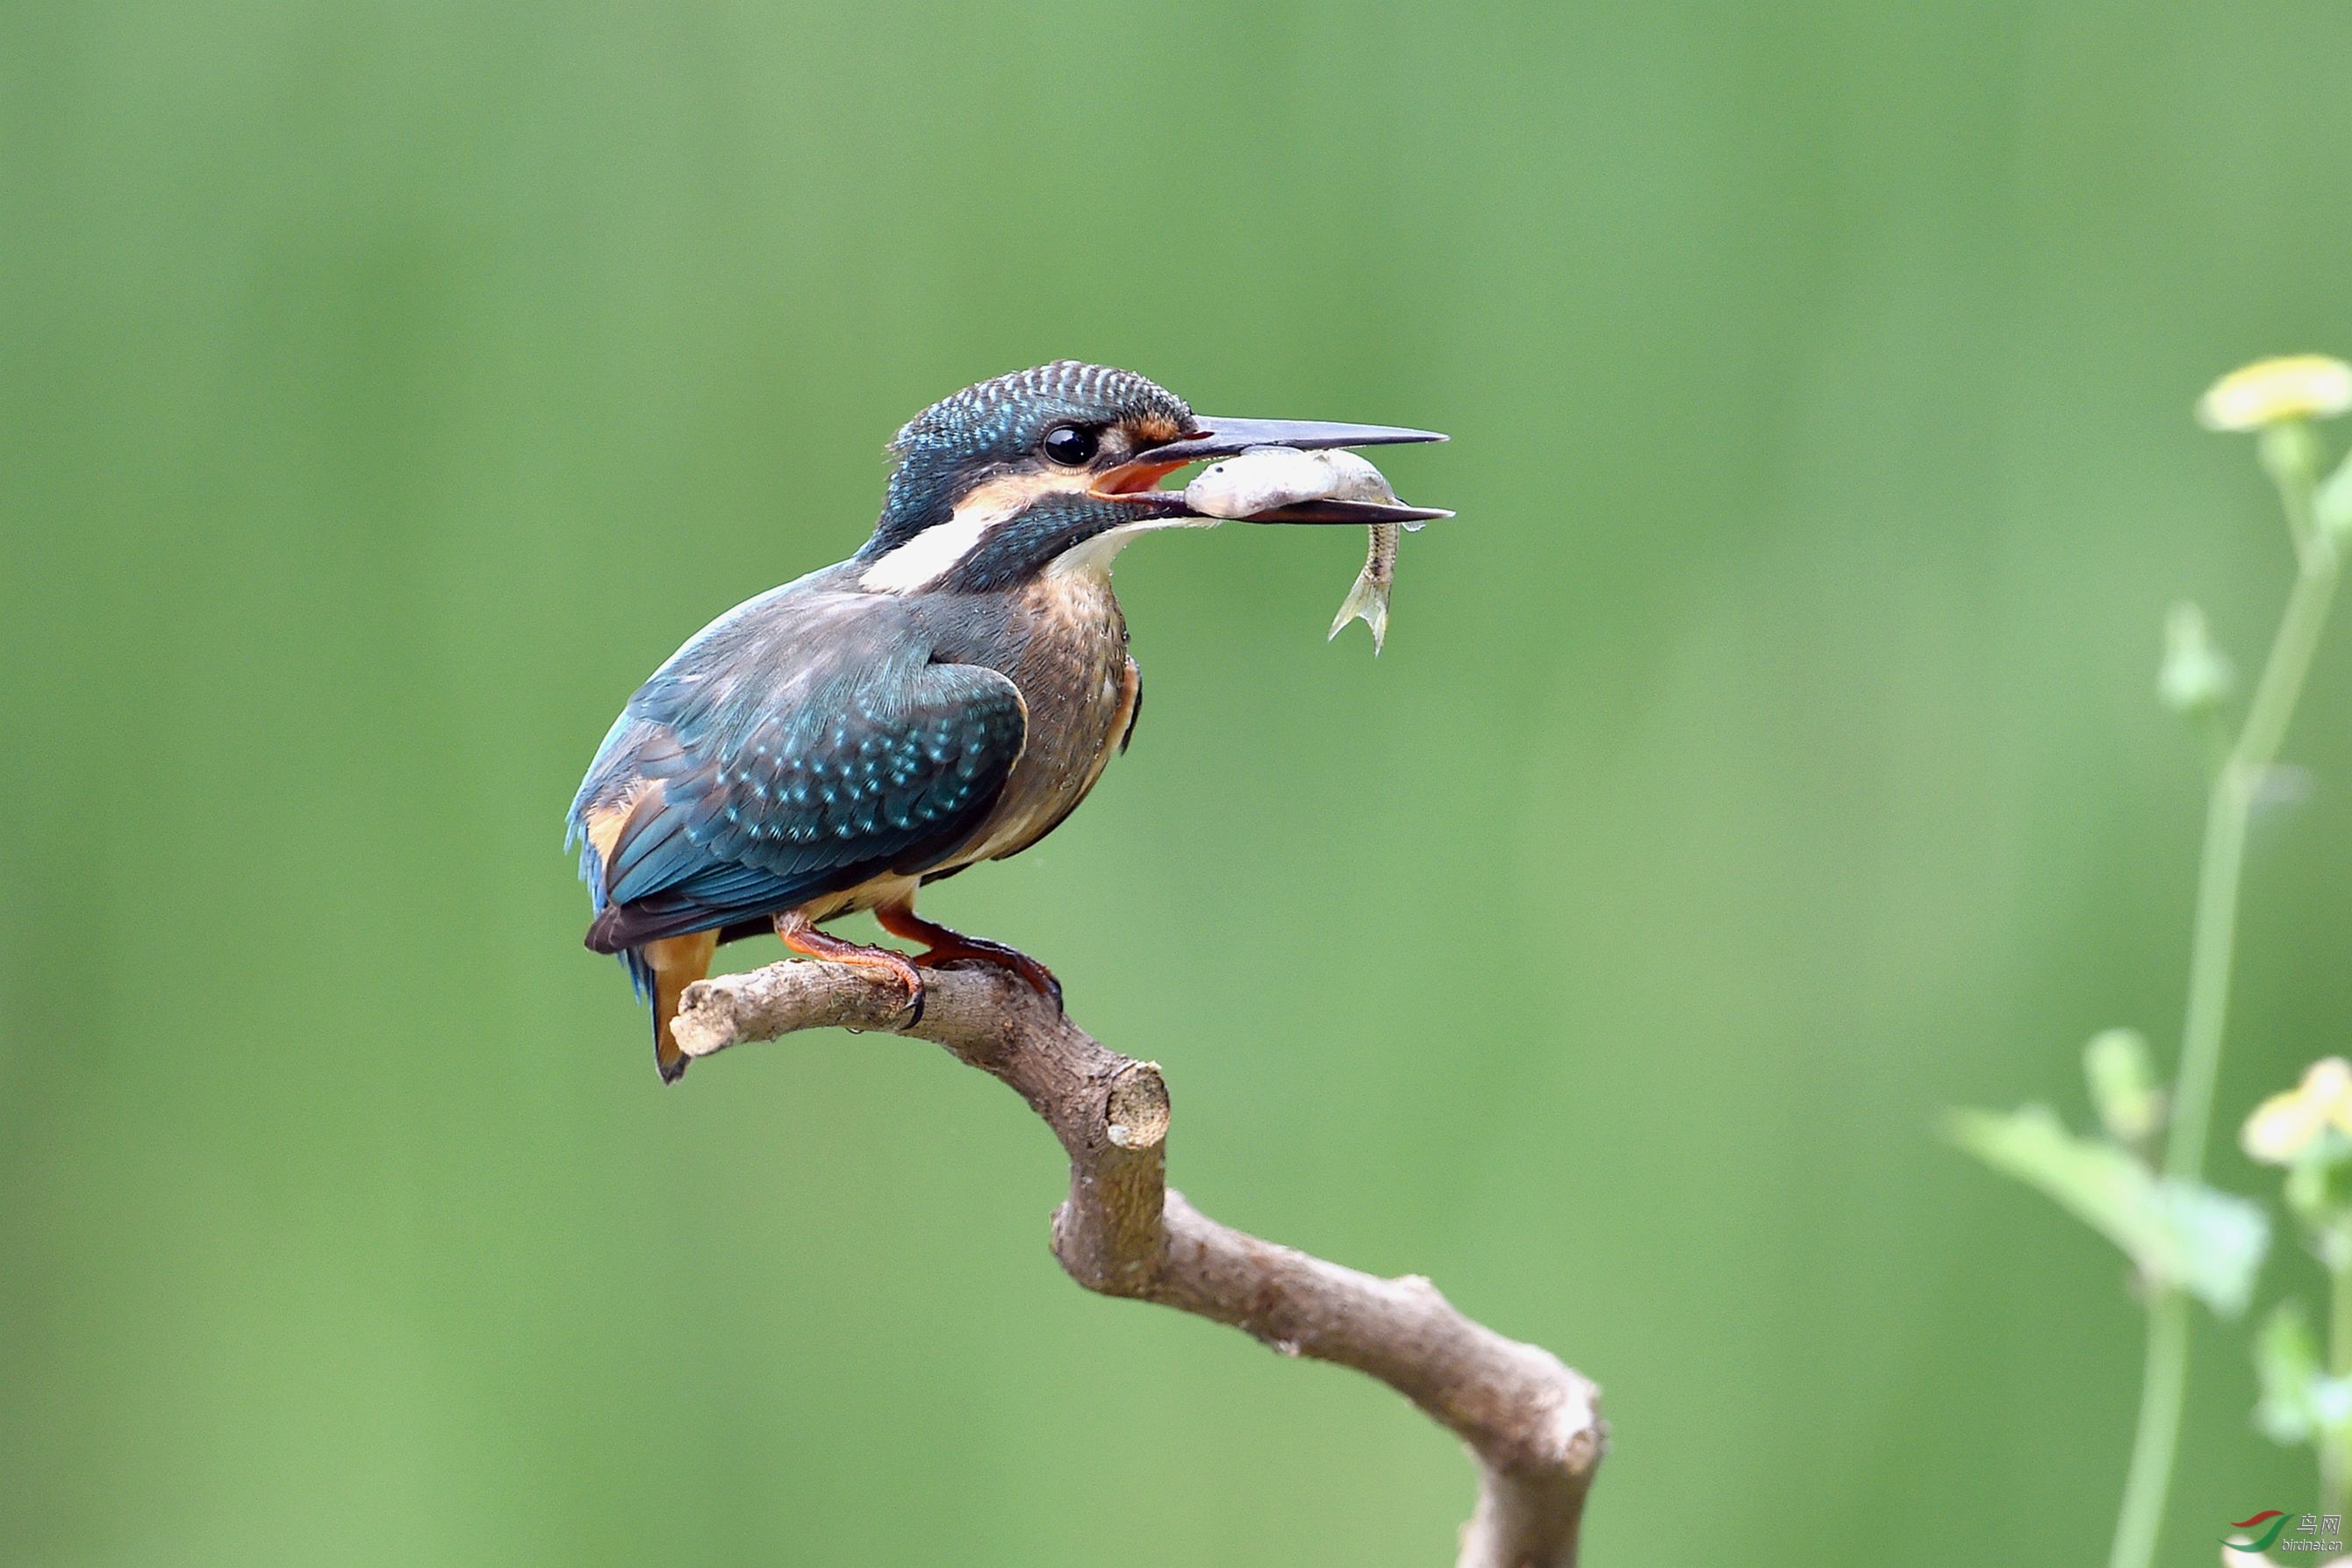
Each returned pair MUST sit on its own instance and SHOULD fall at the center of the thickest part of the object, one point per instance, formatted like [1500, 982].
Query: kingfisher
[945, 696]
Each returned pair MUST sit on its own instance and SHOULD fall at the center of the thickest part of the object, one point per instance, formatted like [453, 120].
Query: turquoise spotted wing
[796, 748]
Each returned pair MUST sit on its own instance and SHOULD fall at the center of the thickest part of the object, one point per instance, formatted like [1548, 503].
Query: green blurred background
[1766, 760]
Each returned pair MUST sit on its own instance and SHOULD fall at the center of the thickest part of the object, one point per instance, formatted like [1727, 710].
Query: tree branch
[1533, 1424]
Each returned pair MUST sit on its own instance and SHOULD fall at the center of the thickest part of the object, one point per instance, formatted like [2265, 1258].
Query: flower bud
[2285, 1127]
[2195, 677]
[2272, 391]
[2123, 1085]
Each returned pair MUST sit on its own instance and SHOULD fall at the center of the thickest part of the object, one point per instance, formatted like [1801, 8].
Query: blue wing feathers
[799, 745]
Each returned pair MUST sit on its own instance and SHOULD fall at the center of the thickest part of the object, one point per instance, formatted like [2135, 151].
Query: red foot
[945, 947]
[802, 936]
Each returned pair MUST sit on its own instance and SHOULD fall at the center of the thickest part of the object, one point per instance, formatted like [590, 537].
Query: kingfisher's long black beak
[1212, 438]
[1224, 437]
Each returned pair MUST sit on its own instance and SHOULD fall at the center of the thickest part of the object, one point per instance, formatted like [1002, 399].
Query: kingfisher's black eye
[1071, 444]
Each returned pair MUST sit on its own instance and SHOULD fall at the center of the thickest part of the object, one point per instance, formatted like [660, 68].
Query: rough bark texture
[1533, 1424]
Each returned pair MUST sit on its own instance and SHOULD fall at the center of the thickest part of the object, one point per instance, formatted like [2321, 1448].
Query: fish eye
[1071, 444]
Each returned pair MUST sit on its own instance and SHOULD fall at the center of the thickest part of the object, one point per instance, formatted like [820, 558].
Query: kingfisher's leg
[799, 934]
[946, 946]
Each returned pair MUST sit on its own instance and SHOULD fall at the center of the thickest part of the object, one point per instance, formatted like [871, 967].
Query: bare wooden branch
[1533, 1424]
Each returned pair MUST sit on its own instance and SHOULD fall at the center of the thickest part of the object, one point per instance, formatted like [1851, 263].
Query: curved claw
[803, 936]
[1030, 972]
[898, 968]
[946, 946]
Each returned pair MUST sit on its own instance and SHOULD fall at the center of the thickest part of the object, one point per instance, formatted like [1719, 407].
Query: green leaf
[2331, 1401]
[2286, 1363]
[2319, 1191]
[2219, 1240]
[2179, 1234]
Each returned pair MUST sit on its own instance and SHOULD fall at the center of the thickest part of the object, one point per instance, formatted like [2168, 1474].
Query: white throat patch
[933, 553]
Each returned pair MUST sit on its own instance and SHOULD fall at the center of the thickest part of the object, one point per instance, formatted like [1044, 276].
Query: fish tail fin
[1364, 602]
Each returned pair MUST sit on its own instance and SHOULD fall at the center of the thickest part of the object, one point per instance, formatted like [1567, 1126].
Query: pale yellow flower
[2285, 1125]
[2297, 386]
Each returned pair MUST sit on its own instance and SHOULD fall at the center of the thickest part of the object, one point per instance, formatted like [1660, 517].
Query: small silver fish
[1260, 480]
[1265, 477]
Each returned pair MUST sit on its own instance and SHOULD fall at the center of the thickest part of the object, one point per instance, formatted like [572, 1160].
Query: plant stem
[2212, 945]
[2161, 1386]
[2334, 1441]
[2287, 454]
